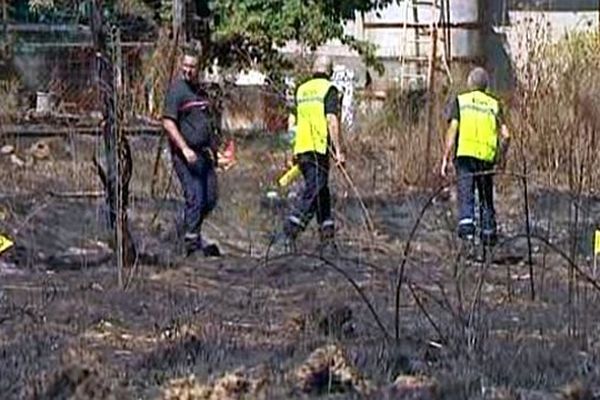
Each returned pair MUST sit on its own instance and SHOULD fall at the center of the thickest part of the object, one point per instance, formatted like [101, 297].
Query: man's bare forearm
[174, 134]
[334, 131]
[504, 136]
[450, 139]
[504, 142]
[504, 133]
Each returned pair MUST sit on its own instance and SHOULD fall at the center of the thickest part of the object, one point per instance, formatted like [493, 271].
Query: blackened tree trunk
[116, 173]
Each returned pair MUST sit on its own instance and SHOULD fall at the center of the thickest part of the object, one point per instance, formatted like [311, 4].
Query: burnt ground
[468, 324]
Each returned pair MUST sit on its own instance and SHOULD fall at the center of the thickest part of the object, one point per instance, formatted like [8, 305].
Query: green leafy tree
[250, 31]
[243, 33]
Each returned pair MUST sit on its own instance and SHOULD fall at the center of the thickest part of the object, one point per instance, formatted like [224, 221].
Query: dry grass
[552, 116]
[157, 69]
[9, 106]
[498, 340]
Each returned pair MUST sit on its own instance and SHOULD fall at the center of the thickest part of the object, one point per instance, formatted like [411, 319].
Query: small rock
[231, 385]
[7, 149]
[414, 387]
[8, 268]
[536, 395]
[96, 115]
[327, 370]
[16, 160]
[239, 384]
[97, 287]
[500, 393]
[296, 323]
[336, 322]
[272, 194]
[40, 150]
[576, 391]
[186, 388]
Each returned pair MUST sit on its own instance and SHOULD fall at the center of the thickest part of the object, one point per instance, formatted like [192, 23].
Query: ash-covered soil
[522, 321]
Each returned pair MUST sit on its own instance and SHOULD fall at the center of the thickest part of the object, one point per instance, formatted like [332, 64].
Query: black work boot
[191, 243]
[489, 238]
[466, 234]
[194, 243]
[211, 250]
[327, 245]
[466, 231]
[327, 231]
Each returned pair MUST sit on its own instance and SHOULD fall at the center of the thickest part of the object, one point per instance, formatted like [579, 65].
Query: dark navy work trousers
[475, 174]
[199, 184]
[315, 198]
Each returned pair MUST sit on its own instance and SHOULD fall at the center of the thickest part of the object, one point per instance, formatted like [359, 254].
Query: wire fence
[47, 62]
[60, 78]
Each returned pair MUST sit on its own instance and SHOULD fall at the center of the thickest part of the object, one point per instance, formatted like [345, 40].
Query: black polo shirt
[189, 107]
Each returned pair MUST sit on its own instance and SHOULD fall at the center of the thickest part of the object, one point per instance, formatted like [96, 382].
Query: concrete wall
[506, 46]
[550, 5]
[506, 21]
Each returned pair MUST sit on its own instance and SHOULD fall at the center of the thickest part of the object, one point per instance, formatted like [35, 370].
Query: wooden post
[115, 174]
[5, 19]
[179, 18]
[161, 140]
[430, 98]
[596, 250]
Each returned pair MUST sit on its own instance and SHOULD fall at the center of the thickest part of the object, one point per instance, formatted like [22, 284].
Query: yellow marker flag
[5, 243]
[597, 242]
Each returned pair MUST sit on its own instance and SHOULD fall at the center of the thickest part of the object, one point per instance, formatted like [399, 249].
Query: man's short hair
[192, 50]
[478, 79]
[322, 64]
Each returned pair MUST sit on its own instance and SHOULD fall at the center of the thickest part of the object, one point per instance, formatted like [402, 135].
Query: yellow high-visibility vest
[478, 126]
[311, 129]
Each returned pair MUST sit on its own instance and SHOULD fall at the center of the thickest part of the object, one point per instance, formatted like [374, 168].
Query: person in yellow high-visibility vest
[477, 139]
[317, 138]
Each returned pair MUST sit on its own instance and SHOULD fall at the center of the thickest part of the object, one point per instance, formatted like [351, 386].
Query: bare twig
[407, 248]
[348, 278]
[161, 139]
[443, 338]
[528, 230]
[571, 264]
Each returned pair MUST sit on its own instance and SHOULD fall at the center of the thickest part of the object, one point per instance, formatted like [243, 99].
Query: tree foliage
[244, 33]
[250, 31]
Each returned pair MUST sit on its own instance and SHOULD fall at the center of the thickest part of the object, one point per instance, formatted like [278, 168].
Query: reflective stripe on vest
[478, 137]
[311, 130]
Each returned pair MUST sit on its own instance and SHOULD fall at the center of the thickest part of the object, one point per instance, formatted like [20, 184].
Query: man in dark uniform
[317, 138]
[189, 122]
[476, 140]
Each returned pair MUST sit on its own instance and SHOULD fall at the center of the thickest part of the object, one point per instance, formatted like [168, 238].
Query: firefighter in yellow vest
[477, 140]
[317, 138]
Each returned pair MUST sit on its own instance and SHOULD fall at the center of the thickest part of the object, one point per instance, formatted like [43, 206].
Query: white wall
[502, 49]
